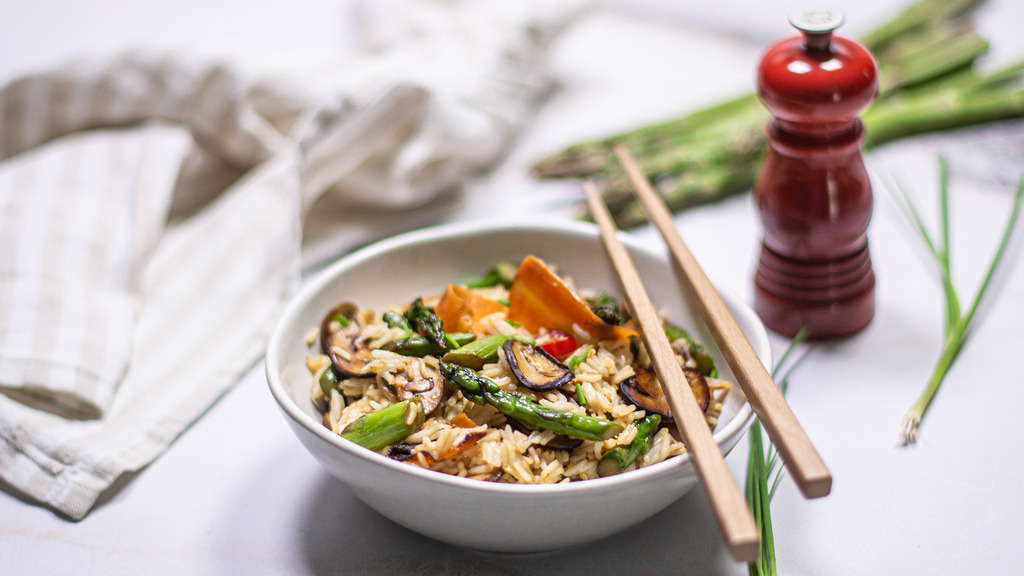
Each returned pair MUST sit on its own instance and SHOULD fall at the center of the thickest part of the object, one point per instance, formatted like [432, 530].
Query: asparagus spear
[619, 458]
[705, 362]
[328, 380]
[915, 17]
[427, 323]
[387, 426]
[395, 320]
[420, 346]
[477, 353]
[928, 83]
[501, 274]
[606, 307]
[483, 390]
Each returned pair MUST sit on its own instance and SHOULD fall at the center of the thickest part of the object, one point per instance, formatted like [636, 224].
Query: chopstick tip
[745, 549]
[817, 486]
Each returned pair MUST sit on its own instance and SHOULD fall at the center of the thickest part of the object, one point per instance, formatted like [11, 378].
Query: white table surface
[237, 494]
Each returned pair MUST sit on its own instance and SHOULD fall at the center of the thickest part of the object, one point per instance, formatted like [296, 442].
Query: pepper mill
[812, 190]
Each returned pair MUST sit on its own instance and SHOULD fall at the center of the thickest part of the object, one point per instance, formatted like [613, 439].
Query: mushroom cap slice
[349, 353]
[422, 382]
[644, 390]
[534, 367]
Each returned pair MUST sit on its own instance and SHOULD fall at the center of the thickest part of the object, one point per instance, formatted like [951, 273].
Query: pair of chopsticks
[795, 448]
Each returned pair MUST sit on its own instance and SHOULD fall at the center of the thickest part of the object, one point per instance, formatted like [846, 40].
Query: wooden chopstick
[802, 460]
[734, 517]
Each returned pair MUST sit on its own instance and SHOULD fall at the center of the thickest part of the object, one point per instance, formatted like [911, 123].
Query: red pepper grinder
[812, 190]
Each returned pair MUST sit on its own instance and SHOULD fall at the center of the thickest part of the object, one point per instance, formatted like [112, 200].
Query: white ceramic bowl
[472, 513]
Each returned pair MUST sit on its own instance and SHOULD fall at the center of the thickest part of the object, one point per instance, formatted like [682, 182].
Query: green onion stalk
[763, 476]
[929, 81]
[957, 324]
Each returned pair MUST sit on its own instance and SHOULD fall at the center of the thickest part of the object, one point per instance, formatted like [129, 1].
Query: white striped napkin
[151, 217]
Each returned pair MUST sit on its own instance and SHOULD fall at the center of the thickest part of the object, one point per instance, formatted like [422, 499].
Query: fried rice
[476, 441]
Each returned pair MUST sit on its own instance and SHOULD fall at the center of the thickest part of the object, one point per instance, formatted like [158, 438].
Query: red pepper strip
[560, 345]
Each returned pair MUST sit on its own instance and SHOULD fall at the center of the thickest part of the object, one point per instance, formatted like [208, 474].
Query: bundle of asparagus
[929, 81]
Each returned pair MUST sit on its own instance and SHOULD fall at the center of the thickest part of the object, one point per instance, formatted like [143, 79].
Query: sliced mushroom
[331, 324]
[699, 387]
[535, 368]
[340, 338]
[645, 391]
[419, 381]
[350, 354]
[401, 452]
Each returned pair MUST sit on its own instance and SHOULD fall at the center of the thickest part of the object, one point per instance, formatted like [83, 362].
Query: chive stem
[957, 324]
[764, 475]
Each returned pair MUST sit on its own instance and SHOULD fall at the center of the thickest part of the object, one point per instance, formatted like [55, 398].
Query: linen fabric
[151, 220]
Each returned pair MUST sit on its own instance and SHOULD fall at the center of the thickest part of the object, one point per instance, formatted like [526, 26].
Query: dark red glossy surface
[813, 192]
[815, 201]
[815, 87]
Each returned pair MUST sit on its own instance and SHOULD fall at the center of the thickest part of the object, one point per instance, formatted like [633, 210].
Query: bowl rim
[736, 426]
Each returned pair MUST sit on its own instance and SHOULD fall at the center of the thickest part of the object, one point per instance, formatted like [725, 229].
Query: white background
[237, 494]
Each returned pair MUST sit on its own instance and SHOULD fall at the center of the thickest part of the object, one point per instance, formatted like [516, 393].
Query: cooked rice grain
[503, 453]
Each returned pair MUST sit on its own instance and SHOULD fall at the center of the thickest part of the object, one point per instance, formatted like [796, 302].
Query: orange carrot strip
[539, 298]
[463, 421]
[461, 310]
[467, 442]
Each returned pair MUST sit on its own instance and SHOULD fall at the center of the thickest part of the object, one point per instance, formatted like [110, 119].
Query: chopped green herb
[578, 358]
[502, 274]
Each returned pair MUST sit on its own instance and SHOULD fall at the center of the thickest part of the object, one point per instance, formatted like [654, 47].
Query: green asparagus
[483, 391]
[387, 426]
[929, 81]
[478, 352]
[619, 458]
[328, 380]
[501, 274]
[420, 346]
[700, 354]
[606, 307]
[395, 320]
[426, 323]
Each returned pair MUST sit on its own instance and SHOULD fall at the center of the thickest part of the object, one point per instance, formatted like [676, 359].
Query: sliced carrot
[467, 442]
[539, 298]
[463, 421]
[461, 310]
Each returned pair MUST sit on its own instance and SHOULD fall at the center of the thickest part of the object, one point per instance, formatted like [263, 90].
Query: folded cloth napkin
[151, 213]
